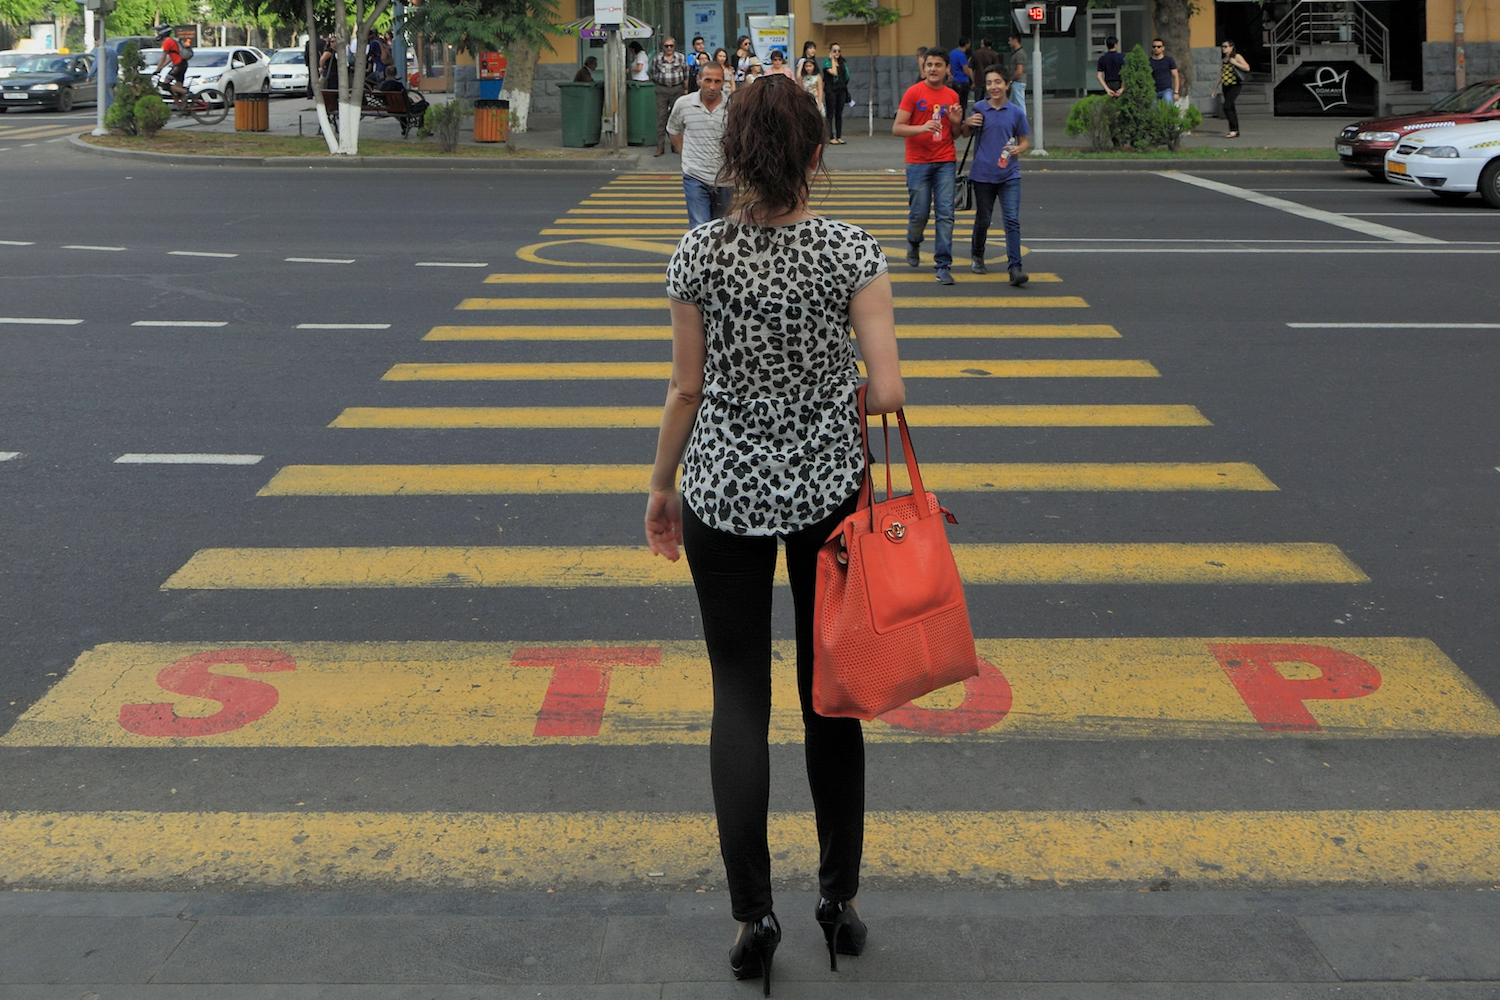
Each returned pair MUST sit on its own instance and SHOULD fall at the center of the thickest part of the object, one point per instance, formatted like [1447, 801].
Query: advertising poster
[1336, 89]
[752, 8]
[706, 18]
[768, 34]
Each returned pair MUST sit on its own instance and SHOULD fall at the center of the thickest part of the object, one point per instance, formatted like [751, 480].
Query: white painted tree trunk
[330, 134]
[520, 108]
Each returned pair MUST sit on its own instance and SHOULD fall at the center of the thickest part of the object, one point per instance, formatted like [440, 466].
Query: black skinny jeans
[833, 108]
[1232, 94]
[733, 577]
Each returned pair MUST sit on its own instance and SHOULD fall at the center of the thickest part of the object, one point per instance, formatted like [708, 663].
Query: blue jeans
[1018, 95]
[1166, 95]
[704, 201]
[930, 185]
[1009, 193]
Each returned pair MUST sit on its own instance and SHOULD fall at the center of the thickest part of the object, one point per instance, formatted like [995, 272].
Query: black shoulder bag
[963, 188]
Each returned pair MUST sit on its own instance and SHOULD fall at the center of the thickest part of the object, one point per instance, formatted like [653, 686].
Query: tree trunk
[1171, 18]
[520, 73]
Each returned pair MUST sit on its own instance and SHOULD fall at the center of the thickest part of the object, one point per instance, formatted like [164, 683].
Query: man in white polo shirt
[697, 130]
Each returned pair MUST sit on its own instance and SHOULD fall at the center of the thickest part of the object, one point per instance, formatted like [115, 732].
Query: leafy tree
[20, 12]
[873, 16]
[1171, 18]
[136, 17]
[1135, 117]
[519, 28]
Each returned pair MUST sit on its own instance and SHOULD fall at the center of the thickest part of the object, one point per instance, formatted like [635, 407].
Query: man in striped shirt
[696, 126]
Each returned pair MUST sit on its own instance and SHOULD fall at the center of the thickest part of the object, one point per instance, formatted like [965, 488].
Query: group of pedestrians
[677, 74]
[930, 115]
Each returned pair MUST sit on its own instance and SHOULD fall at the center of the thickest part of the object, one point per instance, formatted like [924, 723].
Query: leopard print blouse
[776, 445]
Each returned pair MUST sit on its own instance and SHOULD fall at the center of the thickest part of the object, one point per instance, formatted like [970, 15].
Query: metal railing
[1325, 25]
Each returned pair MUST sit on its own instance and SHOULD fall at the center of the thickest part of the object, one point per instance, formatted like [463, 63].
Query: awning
[584, 27]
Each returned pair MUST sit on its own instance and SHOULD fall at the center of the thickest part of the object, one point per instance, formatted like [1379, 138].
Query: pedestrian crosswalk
[611, 684]
[22, 131]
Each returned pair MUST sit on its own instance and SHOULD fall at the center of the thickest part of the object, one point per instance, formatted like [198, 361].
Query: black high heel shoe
[751, 954]
[842, 928]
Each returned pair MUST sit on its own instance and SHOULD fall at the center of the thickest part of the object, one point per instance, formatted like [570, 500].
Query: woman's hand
[664, 523]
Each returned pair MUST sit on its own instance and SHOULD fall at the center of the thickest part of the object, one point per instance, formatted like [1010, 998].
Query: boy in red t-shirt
[928, 116]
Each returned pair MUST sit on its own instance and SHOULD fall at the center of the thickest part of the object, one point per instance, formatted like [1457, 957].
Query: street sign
[1055, 20]
[609, 12]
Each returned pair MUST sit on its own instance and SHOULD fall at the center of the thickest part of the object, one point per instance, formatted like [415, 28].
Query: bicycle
[206, 107]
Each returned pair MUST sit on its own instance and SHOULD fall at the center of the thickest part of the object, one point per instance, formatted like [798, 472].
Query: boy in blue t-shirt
[1003, 137]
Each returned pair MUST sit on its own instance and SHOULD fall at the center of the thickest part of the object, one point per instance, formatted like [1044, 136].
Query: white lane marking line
[451, 263]
[343, 326]
[9, 456]
[80, 246]
[38, 321]
[16, 243]
[1394, 326]
[161, 458]
[316, 260]
[198, 253]
[180, 322]
[27, 145]
[1424, 252]
[1422, 215]
[1136, 239]
[1293, 208]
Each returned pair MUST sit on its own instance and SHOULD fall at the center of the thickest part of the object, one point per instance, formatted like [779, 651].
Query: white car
[9, 60]
[1451, 162]
[289, 71]
[235, 69]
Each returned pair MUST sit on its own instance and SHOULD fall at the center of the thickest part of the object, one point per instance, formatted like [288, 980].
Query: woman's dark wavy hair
[773, 132]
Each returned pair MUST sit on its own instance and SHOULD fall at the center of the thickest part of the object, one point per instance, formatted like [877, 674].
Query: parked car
[1363, 145]
[289, 71]
[50, 81]
[234, 69]
[1452, 162]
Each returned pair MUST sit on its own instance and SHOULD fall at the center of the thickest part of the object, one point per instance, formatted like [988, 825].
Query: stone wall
[1481, 61]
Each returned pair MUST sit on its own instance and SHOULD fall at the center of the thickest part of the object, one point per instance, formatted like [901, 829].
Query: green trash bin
[582, 113]
[640, 112]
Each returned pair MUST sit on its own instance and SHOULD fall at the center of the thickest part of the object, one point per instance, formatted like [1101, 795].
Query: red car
[1363, 145]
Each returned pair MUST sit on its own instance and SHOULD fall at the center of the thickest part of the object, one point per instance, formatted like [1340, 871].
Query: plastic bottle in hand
[937, 115]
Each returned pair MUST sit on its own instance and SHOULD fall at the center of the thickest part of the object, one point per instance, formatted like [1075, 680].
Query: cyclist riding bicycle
[171, 51]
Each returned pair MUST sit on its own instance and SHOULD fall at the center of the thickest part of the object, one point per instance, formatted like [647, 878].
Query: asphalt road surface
[323, 561]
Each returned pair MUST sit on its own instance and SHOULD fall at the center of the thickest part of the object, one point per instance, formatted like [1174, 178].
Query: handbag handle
[913, 471]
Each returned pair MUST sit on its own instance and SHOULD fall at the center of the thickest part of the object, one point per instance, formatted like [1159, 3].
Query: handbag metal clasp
[896, 531]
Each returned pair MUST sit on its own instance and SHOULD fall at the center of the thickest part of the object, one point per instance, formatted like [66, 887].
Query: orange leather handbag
[890, 623]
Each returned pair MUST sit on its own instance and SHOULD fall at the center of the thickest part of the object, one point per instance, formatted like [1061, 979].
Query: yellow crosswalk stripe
[960, 232]
[660, 693]
[1051, 563]
[936, 331]
[606, 278]
[901, 302]
[649, 417]
[38, 131]
[532, 371]
[637, 850]
[548, 480]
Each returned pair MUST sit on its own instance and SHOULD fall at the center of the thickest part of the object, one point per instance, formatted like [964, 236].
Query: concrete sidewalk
[1049, 944]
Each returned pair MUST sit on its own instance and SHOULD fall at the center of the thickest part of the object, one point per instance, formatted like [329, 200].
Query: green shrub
[445, 121]
[1136, 117]
[1171, 123]
[1093, 117]
[133, 86]
[151, 113]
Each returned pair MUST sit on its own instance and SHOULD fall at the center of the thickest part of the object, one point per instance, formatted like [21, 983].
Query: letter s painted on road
[243, 699]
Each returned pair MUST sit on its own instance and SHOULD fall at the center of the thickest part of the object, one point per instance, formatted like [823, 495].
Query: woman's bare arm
[873, 317]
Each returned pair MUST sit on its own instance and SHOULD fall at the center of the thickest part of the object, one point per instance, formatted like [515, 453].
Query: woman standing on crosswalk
[762, 417]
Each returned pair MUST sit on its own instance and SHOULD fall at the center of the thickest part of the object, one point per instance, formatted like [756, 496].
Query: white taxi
[1452, 162]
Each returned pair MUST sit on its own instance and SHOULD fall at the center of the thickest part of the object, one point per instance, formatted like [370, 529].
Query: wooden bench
[380, 104]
